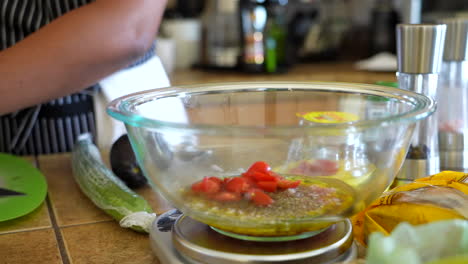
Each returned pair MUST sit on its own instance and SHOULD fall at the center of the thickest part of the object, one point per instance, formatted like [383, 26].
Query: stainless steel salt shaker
[452, 97]
[419, 52]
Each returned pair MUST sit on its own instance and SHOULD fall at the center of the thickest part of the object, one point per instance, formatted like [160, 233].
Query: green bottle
[275, 37]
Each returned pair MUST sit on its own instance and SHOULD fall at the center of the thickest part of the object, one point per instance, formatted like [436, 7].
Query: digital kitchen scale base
[178, 239]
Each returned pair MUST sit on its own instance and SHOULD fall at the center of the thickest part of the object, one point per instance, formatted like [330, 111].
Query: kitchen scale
[179, 239]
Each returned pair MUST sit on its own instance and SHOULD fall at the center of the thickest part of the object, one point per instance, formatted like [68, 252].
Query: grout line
[25, 230]
[89, 223]
[55, 227]
[58, 233]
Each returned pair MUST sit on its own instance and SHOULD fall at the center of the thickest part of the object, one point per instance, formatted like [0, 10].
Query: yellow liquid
[317, 203]
[353, 175]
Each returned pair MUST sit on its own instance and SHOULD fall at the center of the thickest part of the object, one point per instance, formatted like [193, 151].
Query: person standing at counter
[53, 53]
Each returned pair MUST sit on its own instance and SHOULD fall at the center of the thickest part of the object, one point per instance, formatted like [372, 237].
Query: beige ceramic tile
[37, 219]
[69, 204]
[39, 247]
[106, 242]
[319, 77]
[376, 76]
[355, 77]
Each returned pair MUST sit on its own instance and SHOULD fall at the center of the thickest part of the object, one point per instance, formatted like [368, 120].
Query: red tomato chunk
[253, 185]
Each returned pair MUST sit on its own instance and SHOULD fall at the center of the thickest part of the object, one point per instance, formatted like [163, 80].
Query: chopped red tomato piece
[261, 198]
[206, 186]
[247, 174]
[267, 186]
[197, 186]
[225, 180]
[249, 181]
[253, 185]
[286, 184]
[227, 197]
[276, 175]
[259, 166]
[259, 176]
[237, 185]
[216, 179]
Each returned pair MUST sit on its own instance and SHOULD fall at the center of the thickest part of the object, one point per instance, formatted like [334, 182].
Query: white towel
[384, 62]
[149, 75]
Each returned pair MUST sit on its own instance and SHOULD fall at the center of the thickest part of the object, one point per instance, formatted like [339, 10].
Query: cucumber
[106, 190]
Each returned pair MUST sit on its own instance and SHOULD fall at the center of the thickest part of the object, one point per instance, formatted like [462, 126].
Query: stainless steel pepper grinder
[419, 52]
[452, 97]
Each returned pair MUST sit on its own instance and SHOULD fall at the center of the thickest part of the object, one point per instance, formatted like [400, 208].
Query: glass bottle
[253, 16]
[452, 97]
[275, 36]
[419, 53]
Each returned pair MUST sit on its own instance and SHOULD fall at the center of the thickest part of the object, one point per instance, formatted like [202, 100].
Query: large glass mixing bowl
[332, 148]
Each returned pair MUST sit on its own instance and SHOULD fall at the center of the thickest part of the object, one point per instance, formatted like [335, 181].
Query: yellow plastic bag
[442, 196]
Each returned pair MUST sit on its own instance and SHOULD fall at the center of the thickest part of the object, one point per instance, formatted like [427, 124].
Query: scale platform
[178, 239]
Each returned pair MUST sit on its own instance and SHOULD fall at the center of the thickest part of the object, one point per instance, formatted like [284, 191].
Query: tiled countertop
[68, 228]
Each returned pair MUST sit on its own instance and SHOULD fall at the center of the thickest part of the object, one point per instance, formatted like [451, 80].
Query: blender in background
[324, 37]
[452, 97]
[220, 34]
[190, 8]
[383, 22]
[419, 52]
[181, 31]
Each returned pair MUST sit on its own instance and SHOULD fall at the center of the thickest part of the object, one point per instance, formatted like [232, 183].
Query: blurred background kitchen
[275, 36]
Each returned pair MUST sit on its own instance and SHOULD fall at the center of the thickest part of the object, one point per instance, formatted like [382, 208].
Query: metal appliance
[220, 34]
[178, 239]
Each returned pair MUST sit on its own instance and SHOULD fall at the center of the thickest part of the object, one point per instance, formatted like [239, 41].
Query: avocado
[124, 164]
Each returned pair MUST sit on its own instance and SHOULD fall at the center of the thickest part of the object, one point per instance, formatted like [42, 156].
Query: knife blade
[6, 192]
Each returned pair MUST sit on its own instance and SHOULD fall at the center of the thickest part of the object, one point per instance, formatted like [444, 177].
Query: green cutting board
[19, 175]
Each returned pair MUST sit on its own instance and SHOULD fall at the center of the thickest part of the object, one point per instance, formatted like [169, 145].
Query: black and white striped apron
[51, 127]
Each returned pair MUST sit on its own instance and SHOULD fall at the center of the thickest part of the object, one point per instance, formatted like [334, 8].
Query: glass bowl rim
[121, 108]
